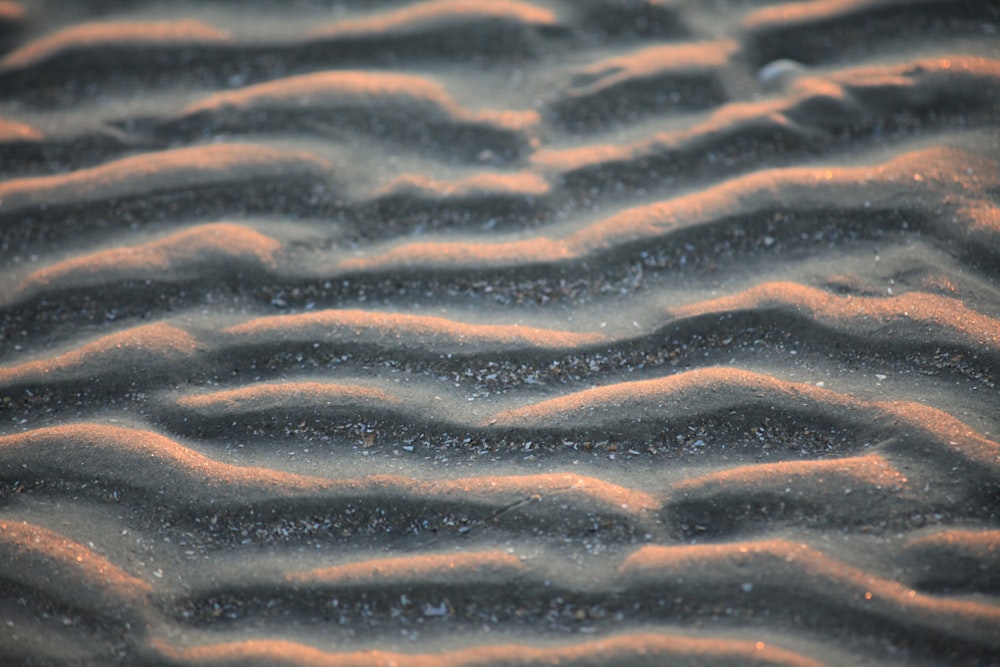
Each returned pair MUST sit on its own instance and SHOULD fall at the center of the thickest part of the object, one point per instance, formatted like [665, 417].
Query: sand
[434, 332]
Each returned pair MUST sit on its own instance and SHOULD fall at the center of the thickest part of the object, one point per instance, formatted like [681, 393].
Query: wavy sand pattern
[459, 332]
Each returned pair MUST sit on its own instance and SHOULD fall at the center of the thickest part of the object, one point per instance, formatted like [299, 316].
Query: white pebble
[779, 73]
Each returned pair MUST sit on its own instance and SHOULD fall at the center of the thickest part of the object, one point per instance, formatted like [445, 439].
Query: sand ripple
[463, 332]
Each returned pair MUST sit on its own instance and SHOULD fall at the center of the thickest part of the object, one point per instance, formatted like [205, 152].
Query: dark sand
[454, 332]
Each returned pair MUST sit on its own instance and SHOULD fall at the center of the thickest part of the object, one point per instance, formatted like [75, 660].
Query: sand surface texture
[458, 332]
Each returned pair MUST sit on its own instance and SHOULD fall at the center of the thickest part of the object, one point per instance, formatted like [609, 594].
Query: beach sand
[631, 332]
